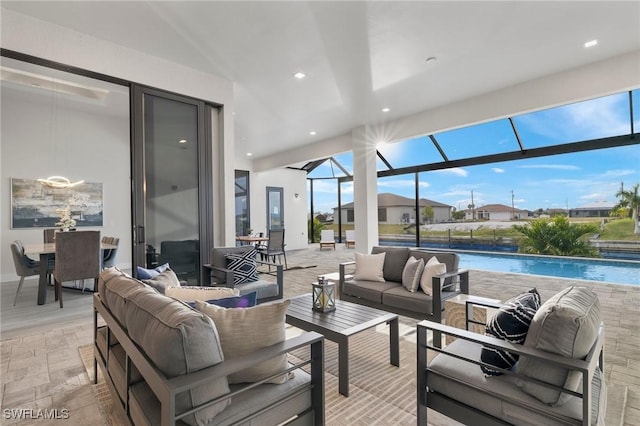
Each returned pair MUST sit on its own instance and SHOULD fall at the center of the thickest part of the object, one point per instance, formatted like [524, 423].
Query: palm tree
[630, 200]
[557, 237]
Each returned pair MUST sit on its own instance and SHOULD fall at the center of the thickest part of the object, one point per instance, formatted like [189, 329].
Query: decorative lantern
[324, 295]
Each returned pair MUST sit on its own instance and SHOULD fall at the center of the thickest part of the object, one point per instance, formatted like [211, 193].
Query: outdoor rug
[379, 393]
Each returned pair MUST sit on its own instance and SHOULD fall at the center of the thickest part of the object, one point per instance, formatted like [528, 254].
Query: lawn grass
[620, 229]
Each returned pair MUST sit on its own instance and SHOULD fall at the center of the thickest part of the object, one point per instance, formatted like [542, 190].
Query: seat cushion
[264, 289]
[178, 340]
[399, 297]
[368, 290]
[394, 261]
[567, 325]
[498, 395]
[145, 408]
[244, 330]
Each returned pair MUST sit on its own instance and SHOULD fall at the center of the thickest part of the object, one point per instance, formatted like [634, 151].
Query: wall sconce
[296, 195]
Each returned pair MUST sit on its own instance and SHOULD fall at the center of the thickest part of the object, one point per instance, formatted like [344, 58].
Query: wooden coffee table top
[348, 318]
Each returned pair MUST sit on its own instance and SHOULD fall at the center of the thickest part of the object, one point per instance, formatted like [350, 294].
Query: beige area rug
[379, 393]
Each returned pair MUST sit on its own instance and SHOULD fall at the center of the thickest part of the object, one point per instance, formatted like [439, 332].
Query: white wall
[81, 144]
[98, 159]
[295, 209]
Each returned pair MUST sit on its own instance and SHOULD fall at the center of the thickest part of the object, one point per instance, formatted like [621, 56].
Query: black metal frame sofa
[164, 364]
[557, 379]
[221, 275]
[391, 295]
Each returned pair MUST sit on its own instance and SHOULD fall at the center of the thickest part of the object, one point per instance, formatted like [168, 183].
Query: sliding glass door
[170, 153]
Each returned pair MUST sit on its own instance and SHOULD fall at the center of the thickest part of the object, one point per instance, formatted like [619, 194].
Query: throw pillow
[245, 301]
[511, 323]
[245, 330]
[567, 324]
[243, 266]
[192, 293]
[432, 268]
[369, 267]
[147, 274]
[163, 281]
[411, 274]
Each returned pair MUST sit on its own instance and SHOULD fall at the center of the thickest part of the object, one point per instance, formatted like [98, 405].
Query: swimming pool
[613, 271]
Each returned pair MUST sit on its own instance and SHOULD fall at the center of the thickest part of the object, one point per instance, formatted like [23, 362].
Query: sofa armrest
[343, 274]
[314, 340]
[279, 274]
[585, 366]
[216, 271]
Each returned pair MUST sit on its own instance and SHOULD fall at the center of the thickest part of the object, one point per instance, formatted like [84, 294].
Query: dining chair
[77, 258]
[275, 247]
[25, 266]
[109, 255]
[49, 235]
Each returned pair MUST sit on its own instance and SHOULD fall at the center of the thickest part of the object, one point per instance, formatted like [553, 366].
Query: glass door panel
[275, 208]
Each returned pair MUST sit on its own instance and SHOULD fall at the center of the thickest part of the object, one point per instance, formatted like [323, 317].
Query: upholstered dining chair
[25, 266]
[49, 235]
[77, 258]
[109, 255]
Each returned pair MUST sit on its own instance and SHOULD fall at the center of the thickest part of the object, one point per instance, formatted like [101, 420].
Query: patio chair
[275, 247]
[327, 239]
[350, 239]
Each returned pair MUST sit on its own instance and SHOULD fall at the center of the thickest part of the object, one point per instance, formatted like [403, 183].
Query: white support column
[365, 189]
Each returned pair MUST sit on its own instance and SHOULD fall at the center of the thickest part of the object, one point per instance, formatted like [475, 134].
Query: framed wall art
[34, 205]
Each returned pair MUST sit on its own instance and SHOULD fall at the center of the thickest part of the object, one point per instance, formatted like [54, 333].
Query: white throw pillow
[411, 273]
[245, 330]
[191, 293]
[431, 269]
[369, 267]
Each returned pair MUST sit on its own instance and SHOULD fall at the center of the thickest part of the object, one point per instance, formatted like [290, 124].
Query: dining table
[45, 251]
[251, 239]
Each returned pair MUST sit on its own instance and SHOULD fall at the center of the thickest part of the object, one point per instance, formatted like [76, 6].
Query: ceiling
[358, 57]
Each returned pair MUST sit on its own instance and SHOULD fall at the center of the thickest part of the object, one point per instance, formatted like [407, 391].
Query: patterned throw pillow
[243, 266]
[511, 323]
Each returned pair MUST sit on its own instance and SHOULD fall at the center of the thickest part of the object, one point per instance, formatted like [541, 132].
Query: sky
[562, 181]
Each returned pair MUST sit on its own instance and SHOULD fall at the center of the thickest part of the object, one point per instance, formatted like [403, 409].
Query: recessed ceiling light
[313, 133]
[431, 59]
[299, 75]
[249, 154]
[386, 109]
[591, 43]
[182, 141]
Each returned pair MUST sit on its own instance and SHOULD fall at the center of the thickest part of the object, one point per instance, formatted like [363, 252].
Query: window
[350, 216]
[382, 215]
[243, 223]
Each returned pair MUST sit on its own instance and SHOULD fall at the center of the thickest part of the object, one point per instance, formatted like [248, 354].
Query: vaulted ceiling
[358, 57]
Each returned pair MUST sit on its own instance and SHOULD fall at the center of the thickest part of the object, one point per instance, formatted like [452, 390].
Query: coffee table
[347, 320]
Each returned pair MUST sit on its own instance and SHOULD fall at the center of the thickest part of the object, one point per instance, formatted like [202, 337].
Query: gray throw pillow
[411, 273]
[567, 325]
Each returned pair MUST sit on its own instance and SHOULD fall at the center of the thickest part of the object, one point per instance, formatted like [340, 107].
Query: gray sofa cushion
[115, 292]
[178, 340]
[145, 408]
[264, 289]
[394, 261]
[369, 290]
[490, 394]
[400, 298]
[567, 324]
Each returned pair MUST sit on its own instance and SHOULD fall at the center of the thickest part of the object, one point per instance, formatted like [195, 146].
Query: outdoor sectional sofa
[163, 363]
[392, 296]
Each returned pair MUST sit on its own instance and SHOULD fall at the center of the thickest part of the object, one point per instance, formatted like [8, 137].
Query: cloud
[595, 196]
[497, 170]
[617, 173]
[454, 171]
[550, 166]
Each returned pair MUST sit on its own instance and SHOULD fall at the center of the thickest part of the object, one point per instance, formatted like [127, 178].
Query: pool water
[612, 271]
